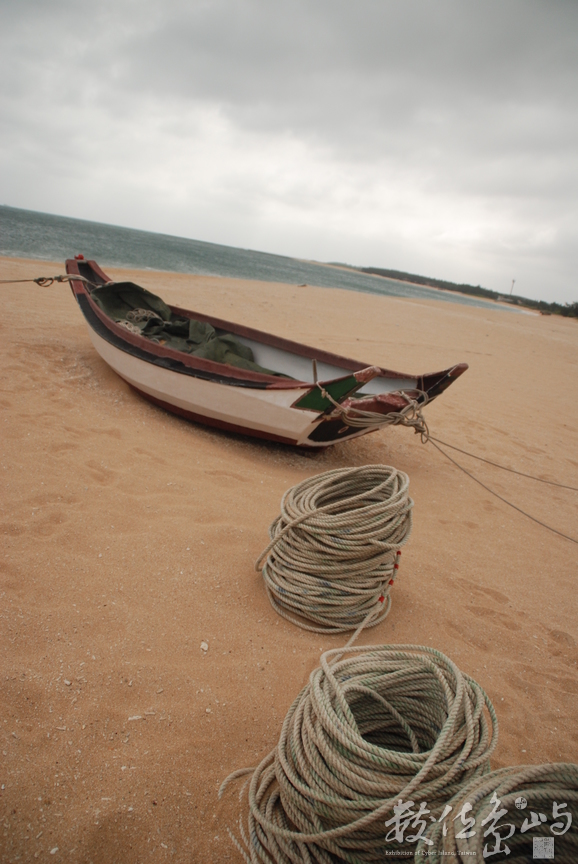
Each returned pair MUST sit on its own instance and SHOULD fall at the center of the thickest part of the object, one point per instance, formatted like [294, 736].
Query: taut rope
[505, 500]
[503, 467]
[46, 281]
[412, 416]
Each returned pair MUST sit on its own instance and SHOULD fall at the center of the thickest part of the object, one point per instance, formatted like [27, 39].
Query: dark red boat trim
[298, 348]
[100, 273]
[437, 382]
[173, 361]
[243, 376]
[433, 384]
[210, 421]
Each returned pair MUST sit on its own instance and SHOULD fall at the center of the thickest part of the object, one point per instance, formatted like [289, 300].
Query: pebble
[67, 682]
[204, 646]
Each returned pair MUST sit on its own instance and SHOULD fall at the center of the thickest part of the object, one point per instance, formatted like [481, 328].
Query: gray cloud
[436, 137]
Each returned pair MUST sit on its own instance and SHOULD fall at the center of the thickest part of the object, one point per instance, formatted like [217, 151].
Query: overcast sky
[433, 136]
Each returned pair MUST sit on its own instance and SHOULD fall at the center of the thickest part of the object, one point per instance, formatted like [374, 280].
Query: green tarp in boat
[142, 312]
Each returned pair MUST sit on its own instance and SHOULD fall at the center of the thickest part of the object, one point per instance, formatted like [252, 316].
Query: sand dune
[129, 536]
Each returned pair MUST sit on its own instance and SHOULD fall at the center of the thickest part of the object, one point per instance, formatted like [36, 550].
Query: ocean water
[28, 234]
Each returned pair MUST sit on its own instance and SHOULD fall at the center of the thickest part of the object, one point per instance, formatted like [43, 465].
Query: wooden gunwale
[295, 411]
[231, 372]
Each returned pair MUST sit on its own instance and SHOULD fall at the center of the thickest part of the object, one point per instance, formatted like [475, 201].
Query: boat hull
[262, 413]
[280, 406]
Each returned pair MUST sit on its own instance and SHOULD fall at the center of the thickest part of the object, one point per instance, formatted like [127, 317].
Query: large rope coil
[334, 548]
[536, 801]
[387, 723]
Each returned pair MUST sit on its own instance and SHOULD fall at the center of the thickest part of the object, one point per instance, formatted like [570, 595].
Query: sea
[29, 234]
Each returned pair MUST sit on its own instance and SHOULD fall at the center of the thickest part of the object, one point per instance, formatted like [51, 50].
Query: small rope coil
[128, 325]
[387, 722]
[540, 787]
[138, 316]
[335, 547]
[410, 416]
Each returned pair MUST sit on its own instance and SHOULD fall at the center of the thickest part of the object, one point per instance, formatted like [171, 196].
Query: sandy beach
[129, 537]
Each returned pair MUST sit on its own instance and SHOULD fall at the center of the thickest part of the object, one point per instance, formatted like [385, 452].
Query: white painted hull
[285, 405]
[267, 412]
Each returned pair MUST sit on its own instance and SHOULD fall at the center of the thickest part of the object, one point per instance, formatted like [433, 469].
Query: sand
[129, 536]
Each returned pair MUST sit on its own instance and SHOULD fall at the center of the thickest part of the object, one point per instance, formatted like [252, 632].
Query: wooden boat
[288, 392]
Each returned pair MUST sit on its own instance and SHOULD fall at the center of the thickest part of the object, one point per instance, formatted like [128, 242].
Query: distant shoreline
[450, 292]
[568, 310]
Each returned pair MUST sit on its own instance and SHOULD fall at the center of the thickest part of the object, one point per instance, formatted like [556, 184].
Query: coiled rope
[335, 548]
[388, 722]
[541, 786]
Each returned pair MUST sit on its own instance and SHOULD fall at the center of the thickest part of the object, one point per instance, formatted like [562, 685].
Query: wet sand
[129, 536]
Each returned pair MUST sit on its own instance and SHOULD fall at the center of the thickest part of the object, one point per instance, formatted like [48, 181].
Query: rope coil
[335, 547]
[386, 723]
[540, 786]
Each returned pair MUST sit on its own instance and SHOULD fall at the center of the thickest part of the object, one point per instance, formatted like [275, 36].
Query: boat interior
[204, 336]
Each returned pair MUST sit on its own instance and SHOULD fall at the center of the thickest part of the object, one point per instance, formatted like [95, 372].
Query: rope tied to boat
[522, 795]
[410, 416]
[46, 281]
[389, 722]
[335, 548]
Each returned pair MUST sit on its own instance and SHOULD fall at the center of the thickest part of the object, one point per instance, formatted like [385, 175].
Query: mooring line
[503, 467]
[505, 500]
